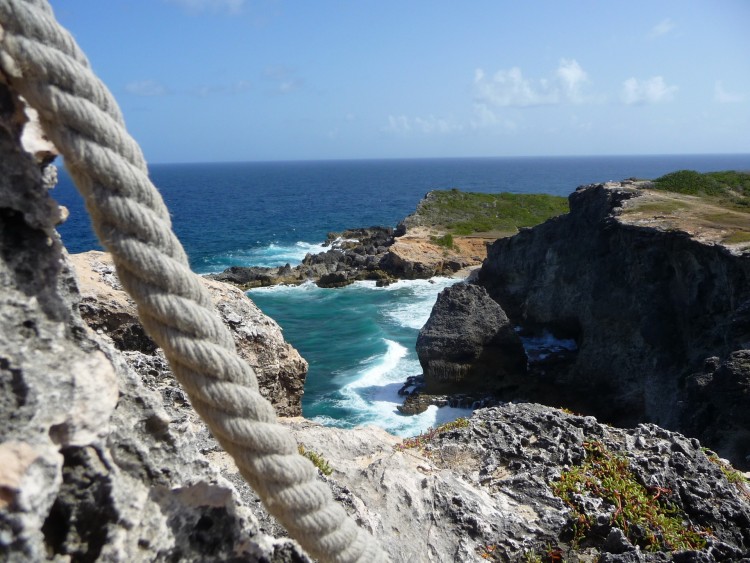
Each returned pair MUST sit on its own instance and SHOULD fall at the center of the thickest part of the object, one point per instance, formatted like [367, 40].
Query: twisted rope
[82, 119]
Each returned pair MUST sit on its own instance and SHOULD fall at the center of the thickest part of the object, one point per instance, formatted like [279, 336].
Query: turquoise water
[359, 340]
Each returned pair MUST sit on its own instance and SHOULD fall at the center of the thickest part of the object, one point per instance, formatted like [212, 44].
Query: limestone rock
[483, 491]
[92, 465]
[469, 344]
[107, 308]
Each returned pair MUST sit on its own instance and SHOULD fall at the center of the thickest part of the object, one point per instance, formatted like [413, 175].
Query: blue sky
[236, 80]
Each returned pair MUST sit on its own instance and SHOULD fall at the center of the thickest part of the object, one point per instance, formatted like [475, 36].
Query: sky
[256, 80]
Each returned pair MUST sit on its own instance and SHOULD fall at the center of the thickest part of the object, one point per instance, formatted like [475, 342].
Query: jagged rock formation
[93, 465]
[483, 492]
[106, 308]
[469, 343]
[659, 314]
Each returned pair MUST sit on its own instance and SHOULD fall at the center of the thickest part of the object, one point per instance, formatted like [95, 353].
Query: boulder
[469, 344]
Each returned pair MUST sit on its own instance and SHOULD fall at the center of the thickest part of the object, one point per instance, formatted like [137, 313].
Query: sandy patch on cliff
[417, 245]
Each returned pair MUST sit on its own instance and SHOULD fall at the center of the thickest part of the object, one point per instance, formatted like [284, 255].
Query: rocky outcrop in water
[358, 254]
[353, 255]
[469, 344]
[98, 462]
[659, 314]
[484, 491]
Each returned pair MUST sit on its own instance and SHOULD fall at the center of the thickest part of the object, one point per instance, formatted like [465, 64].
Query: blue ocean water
[359, 340]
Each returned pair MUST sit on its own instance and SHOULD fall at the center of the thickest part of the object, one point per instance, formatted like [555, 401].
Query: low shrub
[646, 516]
[318, 460]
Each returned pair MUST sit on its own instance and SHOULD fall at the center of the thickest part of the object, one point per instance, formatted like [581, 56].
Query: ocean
[359, 340]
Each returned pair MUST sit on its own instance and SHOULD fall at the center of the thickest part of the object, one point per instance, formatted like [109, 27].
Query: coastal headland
[447, 235]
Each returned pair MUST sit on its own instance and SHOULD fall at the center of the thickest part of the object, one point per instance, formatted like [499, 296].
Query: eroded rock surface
[106, 308]
[483, 491]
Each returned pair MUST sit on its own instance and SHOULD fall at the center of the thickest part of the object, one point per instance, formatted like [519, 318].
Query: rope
[80, 116]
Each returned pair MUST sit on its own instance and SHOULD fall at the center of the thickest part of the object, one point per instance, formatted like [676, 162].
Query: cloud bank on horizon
[223, 80]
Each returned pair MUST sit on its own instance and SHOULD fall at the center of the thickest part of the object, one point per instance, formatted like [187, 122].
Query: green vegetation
[728, 188]
[318, 460]
[446, 240]
[661, 207]
[737, 237]
[732, 475]
[465, 213]
[645, 516]
[424, 438]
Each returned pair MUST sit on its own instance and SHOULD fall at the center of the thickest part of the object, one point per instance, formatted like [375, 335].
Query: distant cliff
[654, 288]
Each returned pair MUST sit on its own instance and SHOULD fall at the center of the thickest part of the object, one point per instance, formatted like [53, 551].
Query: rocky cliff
[658, 304]
[107, 309]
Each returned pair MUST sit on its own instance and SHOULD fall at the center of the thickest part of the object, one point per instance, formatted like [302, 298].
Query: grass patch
[729, 188]
[657, 207]
[446, 241]
[318, 460]
[646, 517]
[424, 438]
[465, 213]
[737, 237]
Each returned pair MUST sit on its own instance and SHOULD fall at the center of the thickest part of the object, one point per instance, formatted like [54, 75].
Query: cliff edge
[653, 291]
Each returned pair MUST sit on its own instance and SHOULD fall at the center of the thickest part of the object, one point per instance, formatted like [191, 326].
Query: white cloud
[486, 117]
[572, 77]
[724, 96]
[284, 79]
[397, 124]
[145, 88]
[651, 91]
[216, 89]
[403, 125]
[510, 88]
[231, 6]
[662, 28]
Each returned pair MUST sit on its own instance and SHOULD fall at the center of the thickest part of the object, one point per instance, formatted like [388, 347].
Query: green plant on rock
[646, 517]
[424, 438]
[318, 460]
[445, 241]
[732, 475]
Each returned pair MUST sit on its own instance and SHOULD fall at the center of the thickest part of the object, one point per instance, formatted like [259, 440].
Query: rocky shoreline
[382, 254]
